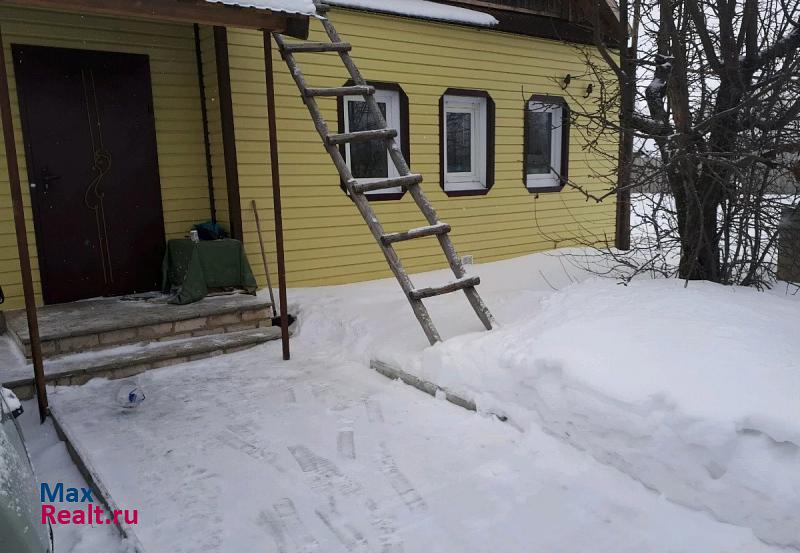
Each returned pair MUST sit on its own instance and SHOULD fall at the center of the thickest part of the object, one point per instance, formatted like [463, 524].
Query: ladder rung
[460, 284]
[361, 136]
[301, 47]
[433, 230]
[341, 91]
[405, 182]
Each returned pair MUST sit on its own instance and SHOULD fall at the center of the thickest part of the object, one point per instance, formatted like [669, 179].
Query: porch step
[126, 361]
[106, 322]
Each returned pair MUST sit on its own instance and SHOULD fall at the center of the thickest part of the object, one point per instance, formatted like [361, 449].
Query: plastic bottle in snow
[130, 395]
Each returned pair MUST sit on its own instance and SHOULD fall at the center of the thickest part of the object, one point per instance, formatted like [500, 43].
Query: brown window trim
[565, 118]
[490, 147]
[405, 140]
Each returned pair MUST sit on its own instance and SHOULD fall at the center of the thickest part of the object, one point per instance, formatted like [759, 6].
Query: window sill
[383, 196]
[534, 186]
[465, 189]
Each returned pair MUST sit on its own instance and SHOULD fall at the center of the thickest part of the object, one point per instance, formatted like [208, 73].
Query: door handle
[47, 178]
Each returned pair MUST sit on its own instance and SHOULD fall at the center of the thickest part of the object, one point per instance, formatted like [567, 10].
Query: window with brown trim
[546, 144]
[466, 142]
[370, 161]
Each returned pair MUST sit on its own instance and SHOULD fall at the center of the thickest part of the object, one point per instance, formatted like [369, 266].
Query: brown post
[22, 235]
[228, 131]
[276, 190]
[201, 80]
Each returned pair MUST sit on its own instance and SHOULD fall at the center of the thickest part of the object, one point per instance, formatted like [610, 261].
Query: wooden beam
[201, 81]
[276, 191]
[183, 11]
[228, 131]
[22, 235]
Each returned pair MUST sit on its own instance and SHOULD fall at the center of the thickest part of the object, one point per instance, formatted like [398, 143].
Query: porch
[135, 147]
[121, 337]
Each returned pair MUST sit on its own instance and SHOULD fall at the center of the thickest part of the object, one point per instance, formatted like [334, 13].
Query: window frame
[553, 181]
[398, 120]
[481, 179]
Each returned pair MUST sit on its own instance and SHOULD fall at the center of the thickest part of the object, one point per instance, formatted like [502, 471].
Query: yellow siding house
[481, 112]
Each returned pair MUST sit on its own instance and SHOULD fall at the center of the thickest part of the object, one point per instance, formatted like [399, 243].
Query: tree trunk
[699, 241]
[627, 84]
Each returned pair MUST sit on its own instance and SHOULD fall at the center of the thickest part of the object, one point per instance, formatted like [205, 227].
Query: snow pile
[53, 464]
[693, 391]
[305, 7]
[8, 401]
[422, 9]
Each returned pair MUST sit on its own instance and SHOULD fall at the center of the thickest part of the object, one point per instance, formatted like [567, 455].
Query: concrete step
[129, 360]
[105, 322]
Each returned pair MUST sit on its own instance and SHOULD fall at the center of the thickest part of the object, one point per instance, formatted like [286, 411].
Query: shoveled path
[244, 452]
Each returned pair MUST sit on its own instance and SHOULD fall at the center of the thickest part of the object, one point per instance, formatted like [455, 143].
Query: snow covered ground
[650, 418]
[53, 464]
[692, 390]
[699, 399]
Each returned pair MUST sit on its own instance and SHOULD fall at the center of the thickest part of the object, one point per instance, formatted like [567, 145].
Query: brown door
[87, 120]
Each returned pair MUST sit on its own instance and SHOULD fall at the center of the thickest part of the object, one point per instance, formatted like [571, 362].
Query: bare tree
[709, 90]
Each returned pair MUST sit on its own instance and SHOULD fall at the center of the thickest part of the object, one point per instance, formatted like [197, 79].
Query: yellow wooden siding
[327, 242]
[176, 99]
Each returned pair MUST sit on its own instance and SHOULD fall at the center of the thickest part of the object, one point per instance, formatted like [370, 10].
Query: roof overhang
[181, 11]
[530, 22]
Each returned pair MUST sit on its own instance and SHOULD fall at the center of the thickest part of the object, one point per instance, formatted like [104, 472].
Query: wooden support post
[201, 81]
[276, 191]
[22, 235]
[228, 131]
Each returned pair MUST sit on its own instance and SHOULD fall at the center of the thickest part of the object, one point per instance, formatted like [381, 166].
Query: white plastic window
[543, 155]
[464, 124]
[369, 161]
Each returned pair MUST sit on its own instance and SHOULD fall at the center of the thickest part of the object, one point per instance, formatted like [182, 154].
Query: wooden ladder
[407, 180]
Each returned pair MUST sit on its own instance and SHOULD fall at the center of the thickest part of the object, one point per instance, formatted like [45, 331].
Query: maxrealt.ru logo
[87, 513]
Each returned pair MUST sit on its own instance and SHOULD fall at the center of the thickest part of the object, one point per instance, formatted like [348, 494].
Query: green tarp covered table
[190, 269]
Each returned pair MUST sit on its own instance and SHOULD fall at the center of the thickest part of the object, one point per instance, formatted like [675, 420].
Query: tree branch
[779, 49]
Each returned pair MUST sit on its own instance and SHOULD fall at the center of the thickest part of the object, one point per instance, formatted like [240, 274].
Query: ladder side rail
[361, 202]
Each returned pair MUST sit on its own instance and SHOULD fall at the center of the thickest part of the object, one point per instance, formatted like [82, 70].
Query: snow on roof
[422, 9]
[305, 7]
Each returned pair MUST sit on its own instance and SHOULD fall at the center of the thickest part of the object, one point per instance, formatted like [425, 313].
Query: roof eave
[183, 11]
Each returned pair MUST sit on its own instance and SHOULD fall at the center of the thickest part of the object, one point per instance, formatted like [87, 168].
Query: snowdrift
[693, 391]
